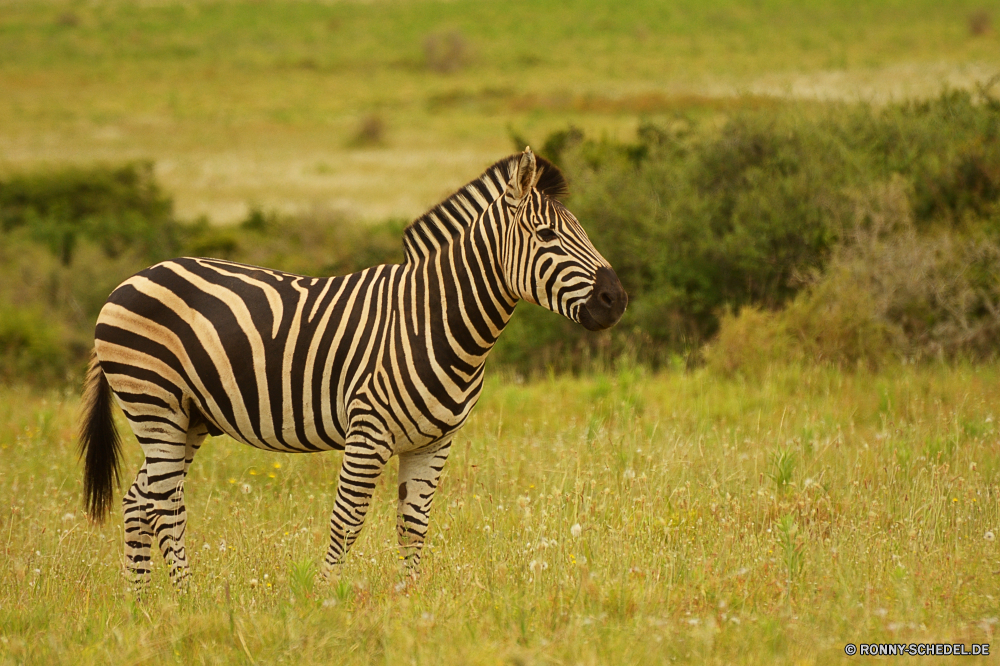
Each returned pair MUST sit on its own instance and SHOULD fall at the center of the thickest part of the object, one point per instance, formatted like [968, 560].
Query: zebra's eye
[546, 234]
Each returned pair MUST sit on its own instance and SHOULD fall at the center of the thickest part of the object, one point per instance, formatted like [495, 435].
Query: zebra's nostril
[605, 299]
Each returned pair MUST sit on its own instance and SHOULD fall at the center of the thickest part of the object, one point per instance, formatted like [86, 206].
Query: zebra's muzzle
[607, 302]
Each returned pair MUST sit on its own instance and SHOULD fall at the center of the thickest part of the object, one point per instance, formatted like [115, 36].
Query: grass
[620, 518]
[720, 521]
[243, 102]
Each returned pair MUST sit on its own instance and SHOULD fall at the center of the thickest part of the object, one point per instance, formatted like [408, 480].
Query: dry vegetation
[720, 521]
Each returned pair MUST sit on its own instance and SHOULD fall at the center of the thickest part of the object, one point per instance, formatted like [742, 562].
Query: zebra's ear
[524, 176]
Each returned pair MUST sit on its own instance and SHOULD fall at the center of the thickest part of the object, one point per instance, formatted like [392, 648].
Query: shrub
[320, 242]
[888, 294]
[979, 23]
[118, 207]
[48, 308]
[749, 343]
[31, 345]
[698, 221]
[370, 132]
[446, 52]
[843, 233]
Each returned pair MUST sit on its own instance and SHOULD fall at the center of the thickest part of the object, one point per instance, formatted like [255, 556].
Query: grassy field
[381, 108]
[622, 518]
[721, 521]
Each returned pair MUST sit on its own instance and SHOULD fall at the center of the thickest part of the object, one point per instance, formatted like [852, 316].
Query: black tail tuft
[100, 446]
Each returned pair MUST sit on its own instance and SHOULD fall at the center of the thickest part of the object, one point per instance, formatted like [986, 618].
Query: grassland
[722, 521]
[240, 101]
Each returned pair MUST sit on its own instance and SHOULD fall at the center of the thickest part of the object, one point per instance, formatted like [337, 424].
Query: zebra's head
[548, 258]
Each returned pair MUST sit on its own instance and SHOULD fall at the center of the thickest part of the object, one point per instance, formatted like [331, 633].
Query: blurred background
[815, 181]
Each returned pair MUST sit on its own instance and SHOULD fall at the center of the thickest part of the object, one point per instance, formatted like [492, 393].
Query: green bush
[31, 346]
[36, 286]
[889, 294]
[698, 220]
[318, 243]
[118, 207]
[844, 233]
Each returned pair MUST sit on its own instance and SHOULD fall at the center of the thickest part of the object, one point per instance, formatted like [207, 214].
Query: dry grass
[719, 522]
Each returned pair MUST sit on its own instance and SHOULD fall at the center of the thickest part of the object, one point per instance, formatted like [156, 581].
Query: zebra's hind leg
[138, 533]
[419, 474]
[364, 460]
[169, 450]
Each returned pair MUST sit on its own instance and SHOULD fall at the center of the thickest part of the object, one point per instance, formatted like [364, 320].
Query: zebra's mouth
[606, 304]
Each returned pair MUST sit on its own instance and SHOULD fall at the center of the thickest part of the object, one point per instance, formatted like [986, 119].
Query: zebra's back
[266, 357]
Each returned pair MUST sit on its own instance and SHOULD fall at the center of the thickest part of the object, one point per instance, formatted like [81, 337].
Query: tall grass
[624, 518]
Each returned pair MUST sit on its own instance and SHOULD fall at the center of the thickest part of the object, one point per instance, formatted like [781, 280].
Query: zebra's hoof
[330, 573]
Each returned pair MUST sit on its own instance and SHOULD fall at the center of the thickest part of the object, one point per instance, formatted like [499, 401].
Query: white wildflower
[576, 530]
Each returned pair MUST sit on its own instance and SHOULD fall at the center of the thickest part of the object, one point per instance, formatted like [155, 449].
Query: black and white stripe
[387, 361]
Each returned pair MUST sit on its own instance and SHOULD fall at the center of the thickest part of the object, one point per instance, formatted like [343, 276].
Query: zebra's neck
[458, 293]
[455, 257]
[455, 306]
[444, 224]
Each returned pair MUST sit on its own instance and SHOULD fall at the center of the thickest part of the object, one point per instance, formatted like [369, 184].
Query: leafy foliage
[844, 233]
[698, 222]
[116, 207]
[30, 347]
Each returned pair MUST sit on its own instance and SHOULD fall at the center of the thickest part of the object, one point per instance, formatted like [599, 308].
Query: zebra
[386, 361]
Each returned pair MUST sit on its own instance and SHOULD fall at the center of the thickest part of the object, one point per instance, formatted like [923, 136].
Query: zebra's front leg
[364, 460]
[419, 474]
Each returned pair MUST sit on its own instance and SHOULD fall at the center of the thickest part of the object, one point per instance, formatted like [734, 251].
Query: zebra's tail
[100, 445]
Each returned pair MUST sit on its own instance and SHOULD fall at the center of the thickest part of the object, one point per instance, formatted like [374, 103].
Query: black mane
[447, 219]
[551, 181]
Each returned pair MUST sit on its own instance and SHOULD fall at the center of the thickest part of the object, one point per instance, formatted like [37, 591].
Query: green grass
[242, 101]
[721, 521]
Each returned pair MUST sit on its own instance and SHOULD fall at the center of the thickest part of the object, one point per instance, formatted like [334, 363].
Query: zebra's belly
[290, 444]
[295, 437]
